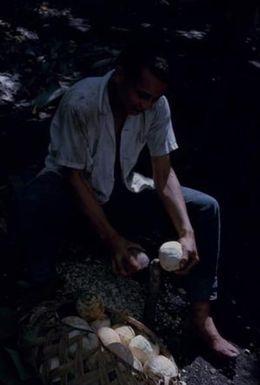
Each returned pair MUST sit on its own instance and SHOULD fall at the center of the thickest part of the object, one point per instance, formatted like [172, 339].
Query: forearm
[90, 207]
[171, 195]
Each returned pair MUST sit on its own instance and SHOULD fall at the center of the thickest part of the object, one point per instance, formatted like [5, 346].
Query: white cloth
[83, 137]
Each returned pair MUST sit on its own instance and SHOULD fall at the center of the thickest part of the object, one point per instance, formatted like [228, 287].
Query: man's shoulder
[160, 108]
[162, 103]
[88, 95]
[84, 92]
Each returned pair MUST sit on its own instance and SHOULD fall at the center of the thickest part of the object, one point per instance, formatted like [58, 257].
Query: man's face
[139, 95]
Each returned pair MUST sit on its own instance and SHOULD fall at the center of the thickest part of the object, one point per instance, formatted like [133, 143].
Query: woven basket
[45, 343]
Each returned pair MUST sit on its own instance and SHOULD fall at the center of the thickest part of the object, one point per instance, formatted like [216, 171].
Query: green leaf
[21, 369]
[8, 376]
[48, 96]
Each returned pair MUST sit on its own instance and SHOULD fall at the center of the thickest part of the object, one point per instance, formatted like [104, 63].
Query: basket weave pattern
[46, 344]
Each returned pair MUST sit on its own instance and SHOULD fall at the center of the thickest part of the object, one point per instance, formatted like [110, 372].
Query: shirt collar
[103, 101]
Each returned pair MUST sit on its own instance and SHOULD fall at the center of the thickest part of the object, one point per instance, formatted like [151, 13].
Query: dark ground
[215, 104]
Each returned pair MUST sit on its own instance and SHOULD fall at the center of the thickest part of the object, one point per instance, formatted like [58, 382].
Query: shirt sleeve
[69, 135]
[161, 137]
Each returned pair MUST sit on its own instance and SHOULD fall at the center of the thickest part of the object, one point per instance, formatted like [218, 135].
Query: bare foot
[223, 348]
[206, 329]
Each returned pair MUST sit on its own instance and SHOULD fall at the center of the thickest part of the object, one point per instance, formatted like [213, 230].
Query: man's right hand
[124, 259]
[124, 256]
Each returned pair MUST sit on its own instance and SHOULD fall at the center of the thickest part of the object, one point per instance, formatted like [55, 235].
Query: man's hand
[123, 254]
[190, 254]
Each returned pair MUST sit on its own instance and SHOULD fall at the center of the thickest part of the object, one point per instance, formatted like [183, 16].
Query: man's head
[142, 76]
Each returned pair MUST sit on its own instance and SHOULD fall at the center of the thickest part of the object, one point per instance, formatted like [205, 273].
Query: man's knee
[201, 202]
[210, 205]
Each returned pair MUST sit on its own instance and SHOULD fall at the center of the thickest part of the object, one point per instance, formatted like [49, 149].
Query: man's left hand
[190, 254]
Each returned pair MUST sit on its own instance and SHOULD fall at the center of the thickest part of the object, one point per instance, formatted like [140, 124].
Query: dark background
[214, 97]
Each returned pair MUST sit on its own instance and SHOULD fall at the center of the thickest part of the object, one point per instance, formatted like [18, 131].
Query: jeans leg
[143, 214]
[43, 209]
[204, 214]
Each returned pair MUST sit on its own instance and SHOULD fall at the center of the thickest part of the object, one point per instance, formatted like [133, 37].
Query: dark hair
[139, 55]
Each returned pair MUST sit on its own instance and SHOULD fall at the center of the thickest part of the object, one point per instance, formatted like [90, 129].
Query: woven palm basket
[45, 342]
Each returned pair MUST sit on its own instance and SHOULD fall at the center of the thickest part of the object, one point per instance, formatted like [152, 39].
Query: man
[97, 133]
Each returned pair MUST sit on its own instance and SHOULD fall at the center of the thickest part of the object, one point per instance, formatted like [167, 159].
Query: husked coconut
[160, 366]
[126, 333]
[99, 323]
[142, 348]
[89, 342]
[90, 306]
[170, 254]
[108, 336]
[122, 352]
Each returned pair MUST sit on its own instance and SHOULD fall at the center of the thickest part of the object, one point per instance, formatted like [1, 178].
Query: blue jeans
[47, 211]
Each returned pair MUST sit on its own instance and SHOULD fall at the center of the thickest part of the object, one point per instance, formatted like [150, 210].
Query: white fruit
[89, 342]
[108, 336]
[160, 366]
[142, 348]
[170, 254]
[122, 352]
[105, 322]
[137, 365]
[141, 258]
[126, 333]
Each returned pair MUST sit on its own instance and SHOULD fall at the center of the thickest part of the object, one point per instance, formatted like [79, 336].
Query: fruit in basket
[142, 348]
[137, 365]
[80, 328]
[108, 336]
[99, 323]
[89, 342]
[126, 333]
[160, 367]
[90, 306]
[170, 254]
[122, 352]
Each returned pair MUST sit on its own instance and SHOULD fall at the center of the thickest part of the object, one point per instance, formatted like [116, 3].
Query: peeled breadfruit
[126, 333]
[99, 323]
[141, 258]
[89, 342]
[170, 254]
[122, 352]
[142, 348]
[108, 336]
[138, 365]
[160, 366]
[90, 306]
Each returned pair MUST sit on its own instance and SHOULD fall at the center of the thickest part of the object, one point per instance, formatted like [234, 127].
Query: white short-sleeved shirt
[83, 137]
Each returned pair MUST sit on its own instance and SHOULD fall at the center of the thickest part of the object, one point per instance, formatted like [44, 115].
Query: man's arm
[169, 190]
[118, 245]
